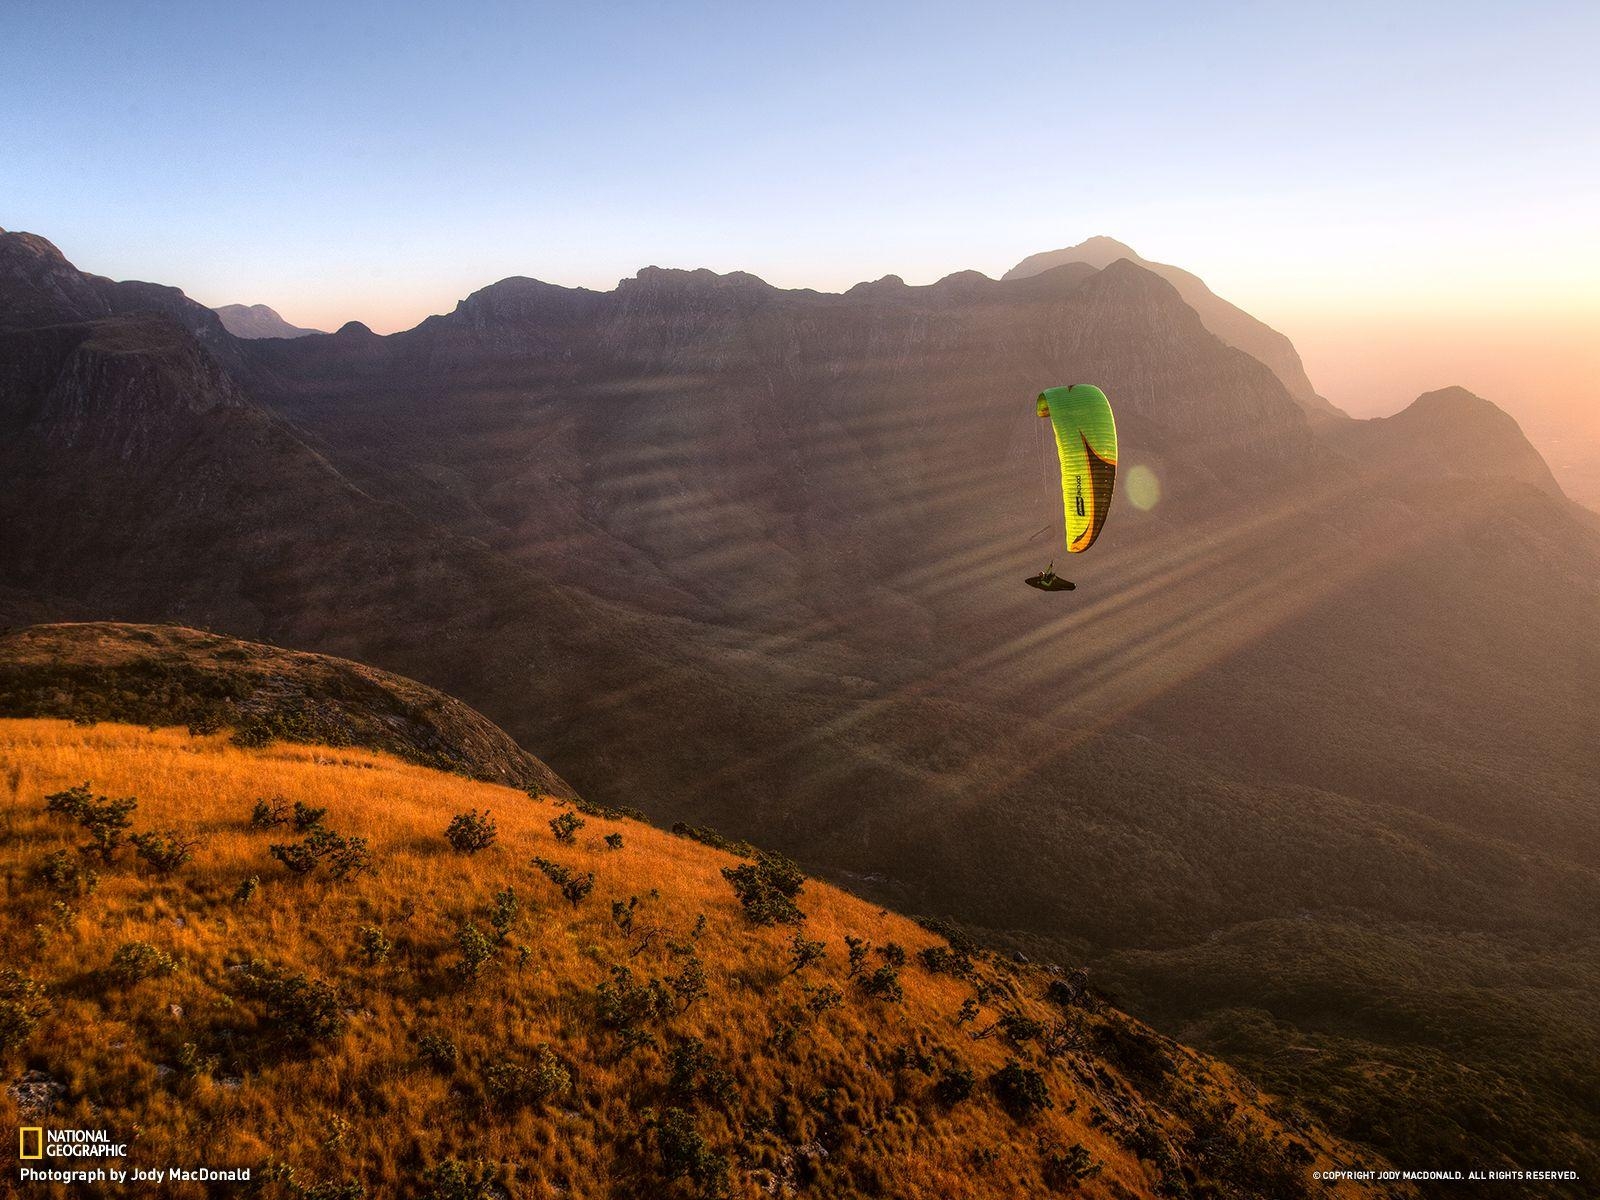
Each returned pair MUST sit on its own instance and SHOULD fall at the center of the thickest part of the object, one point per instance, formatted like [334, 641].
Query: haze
[1409, 196]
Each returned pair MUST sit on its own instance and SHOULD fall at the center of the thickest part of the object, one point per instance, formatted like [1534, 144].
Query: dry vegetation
[199, 1052]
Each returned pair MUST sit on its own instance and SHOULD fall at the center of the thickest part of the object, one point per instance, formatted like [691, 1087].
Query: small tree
[301, 1008]
[613, 841]
[503, 915]
[805, 953]
[438, 1051]
[306, 817]
[269, 814]
[470, 832]
[954, 1085]
[767, 889]
[685, 1154]
[457, 1180]
[22, 1006]
[164, 851]
[66, 875]
[884, 984]
[856, 950]
[1065, 1169]
[476, 952]
[689, 984]
[134, 962]
[565, 826]
[893, 953]
[1021, 1090]
[824, 998]
[372, 946]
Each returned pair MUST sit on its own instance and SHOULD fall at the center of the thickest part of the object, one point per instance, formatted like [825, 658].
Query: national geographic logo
[36, 1143]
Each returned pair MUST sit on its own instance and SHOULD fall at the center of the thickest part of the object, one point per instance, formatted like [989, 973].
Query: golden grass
[362, 1107]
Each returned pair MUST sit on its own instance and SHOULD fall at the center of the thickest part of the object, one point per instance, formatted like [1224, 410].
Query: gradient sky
[1409, 191]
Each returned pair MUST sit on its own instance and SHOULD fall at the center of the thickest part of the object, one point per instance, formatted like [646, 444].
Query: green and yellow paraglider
[1086, 442]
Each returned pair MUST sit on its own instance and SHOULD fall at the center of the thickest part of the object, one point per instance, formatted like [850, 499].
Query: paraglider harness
[1048, 581]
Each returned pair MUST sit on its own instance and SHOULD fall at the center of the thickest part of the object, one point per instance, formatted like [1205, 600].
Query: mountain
[568, 999]
[165, 674]
[1303, 769]
[1233, 325]
[258, 321]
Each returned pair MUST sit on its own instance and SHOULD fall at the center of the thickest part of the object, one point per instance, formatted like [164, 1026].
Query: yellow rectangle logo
[38, 1142]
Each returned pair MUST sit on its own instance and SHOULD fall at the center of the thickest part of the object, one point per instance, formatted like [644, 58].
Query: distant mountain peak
[258, 321]
[1225, 321]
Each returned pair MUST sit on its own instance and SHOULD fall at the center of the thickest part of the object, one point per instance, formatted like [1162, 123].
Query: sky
[1408, 191]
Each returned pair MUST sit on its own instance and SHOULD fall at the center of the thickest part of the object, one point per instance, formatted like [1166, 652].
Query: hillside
[440, 1015]
[168, 675]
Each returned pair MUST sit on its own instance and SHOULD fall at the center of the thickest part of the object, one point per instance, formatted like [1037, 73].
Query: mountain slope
[1233, 325]
[165, 675]
[451, 1014]
[258, 321]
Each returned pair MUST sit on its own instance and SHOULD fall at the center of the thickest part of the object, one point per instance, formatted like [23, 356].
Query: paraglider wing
[1086, 441]
[1053, 584]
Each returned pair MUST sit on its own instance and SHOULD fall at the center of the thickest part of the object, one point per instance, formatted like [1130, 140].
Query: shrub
[767, 888]
[573, 886]
[614, 841]
[457, 1180]
[306, 817]
[565, 827]
[942, 960]
[622, 914]
[954, 1085]
[299, 857]
[512, 1085]
[269, 814]
[371, 945]
[297, 1006]
[438, 1051]
[344, 856]
[695, 1074]
[893, 953]
[821, 999]
[106, 820]
[684, 1153]
[1021, 1090]
[710, 837]
[163, 850]
[804, 953]
[627, 1006]
[1018, 1029]
[23, 1005]
[67, 875]
[247, 889]
[476, 951]
[470, 832]
[856, 950]
[1070, 992]
[503, 915]
[1065, 1169]
[689, 984]
[884, 984]
[136, 961]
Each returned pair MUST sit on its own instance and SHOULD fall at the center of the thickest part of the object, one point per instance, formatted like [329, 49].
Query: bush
[476, 952]
[1021, 1090]
[372, 946]
[136, 961]
[695, 1074]
[565, 827]
[247, 889]
[684, 1153]
[627, 1006]
[344, 856]
[299, 857]
[884, 984]
[470, 832]
[269, 814]
[767, 889]
[689, 984]
[821, 999]
[503, 915]
[297, 1006]
[893, 953]
[67, 875]
[1065, 1169]
[942, 960]
[613, 841]
[856, 950]
[106, 820]
[23, 1005]
[306, 817]
[438, 1051]
[804, 953]
[512, 1085]
[163, 850]
[457, 1180]
[955, 1085]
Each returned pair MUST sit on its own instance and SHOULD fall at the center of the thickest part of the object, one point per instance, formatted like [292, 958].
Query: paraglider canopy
[1086, 444]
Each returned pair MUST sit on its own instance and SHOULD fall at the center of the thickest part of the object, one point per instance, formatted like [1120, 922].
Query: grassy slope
[362, 1106]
